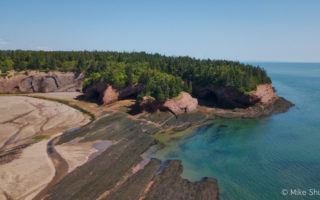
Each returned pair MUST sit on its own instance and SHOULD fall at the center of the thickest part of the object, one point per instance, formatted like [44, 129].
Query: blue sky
[246, 30]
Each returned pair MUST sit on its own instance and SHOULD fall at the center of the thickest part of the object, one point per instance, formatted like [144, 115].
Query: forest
[163, 76]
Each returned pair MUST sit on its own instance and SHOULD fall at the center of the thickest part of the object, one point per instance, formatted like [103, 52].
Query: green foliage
[164, 76]
[6, 65]
[160, 85]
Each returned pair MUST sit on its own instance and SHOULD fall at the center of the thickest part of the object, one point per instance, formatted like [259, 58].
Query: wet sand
[26, 126]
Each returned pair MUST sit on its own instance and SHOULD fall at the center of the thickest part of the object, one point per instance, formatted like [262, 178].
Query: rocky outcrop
[264, 102]
[130, 91]
[95, 92]
[110, 95]
[148, 103]
[265, 93]
[106, 94]
[169, 185]
[259, 103]
[228, 97]
[184, 103]
[32, 81]
[226, 101]
[274, 106]
[223, 97]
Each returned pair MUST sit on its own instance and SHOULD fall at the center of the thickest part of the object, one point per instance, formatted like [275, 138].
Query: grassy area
[38, 138]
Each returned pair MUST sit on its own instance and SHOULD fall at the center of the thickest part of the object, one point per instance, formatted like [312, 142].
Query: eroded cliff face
[211, 96]
[265, 93]
[184, 103]
[265, 103]
[106, 94]
[41, 82]
[110, 95]
[230, 98]
[223, 97]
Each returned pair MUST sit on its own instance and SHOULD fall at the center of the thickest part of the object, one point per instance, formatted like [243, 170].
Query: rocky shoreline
[111, 176]
[120, 171]
[276, 106]
[230, 103]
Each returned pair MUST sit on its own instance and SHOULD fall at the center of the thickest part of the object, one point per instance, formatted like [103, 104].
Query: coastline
[148, 125]
[141, 143]
[175, 166]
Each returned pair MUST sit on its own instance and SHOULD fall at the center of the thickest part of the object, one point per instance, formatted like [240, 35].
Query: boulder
[184, 103]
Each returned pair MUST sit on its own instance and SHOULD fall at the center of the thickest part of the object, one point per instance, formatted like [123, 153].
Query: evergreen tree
[164, 76]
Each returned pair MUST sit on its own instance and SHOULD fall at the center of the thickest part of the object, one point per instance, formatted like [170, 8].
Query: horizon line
[169, 55]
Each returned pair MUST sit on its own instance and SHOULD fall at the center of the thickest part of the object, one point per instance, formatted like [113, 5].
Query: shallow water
[258, 159]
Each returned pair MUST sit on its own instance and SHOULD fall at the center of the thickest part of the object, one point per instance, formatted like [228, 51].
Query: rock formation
[110, 95]
[265, 93]
[228, 97]
[223, 97]
[148, 103]
[260, 102]
[113, 175]
[184, 103]
[106, 94]
[32, 81]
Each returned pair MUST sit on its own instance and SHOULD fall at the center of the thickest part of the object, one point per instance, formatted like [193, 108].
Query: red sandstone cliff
[110, 95]
[184, 103]
[32, 81]
[265, 93]
[106, 94]
[223, 97]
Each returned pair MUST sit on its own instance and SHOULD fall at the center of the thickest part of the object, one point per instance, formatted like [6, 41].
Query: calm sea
[262, 159]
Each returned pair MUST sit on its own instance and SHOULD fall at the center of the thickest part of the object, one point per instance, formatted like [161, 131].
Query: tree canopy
[163, 76]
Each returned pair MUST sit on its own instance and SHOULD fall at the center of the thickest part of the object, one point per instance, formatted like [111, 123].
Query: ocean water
[262, 159]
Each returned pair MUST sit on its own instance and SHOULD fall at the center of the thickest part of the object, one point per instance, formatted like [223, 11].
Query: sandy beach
[26, 126]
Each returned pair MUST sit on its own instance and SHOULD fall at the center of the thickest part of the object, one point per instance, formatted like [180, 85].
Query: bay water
[272, 158]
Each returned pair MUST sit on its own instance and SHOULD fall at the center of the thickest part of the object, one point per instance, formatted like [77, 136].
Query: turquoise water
[257, 159]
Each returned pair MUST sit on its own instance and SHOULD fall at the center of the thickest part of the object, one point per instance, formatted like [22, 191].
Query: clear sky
[245, 30]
